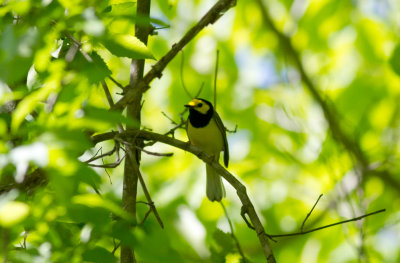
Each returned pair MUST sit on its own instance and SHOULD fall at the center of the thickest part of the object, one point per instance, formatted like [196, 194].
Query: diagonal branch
[209, 18]
[247, 206]
[329, 112]
[338, 133]
[309, 213]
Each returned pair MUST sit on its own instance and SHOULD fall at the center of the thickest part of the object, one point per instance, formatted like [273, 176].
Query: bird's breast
[208, 138]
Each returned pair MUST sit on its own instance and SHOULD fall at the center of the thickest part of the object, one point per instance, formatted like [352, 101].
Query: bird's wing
[221, 127]
[187, 128]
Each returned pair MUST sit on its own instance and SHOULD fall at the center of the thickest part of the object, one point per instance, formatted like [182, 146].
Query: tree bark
[132, 162]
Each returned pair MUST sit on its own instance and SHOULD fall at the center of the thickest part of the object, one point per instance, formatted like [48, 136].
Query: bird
[205, 130]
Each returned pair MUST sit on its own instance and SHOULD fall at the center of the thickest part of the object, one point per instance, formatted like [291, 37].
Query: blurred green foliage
[52, 101]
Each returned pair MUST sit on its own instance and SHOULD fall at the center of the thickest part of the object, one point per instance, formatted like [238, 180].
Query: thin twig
[115, 247]
[105, 169]
[198, 92]
[309, 213]
[330, 225]
[233, 234]
[215, 79]
[181, 76]
[108, 165]
[146, 216]
[169, 118]
[146, 192]
[209, 18]
[146, 151]
[107, 92]
[116, 83]
[177, 126]
[96, 157]
[154, 153]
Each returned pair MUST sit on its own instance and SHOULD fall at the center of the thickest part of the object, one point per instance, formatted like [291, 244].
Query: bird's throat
[199, 120]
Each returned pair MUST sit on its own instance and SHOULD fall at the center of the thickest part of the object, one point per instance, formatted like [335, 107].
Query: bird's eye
[200, 104]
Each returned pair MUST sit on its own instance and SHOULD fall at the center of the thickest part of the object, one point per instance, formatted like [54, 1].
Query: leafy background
[283, 150]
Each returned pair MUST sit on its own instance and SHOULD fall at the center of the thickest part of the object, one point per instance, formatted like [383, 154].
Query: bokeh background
[284, 149]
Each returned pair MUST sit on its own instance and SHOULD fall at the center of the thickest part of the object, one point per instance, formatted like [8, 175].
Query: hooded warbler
[206, 131]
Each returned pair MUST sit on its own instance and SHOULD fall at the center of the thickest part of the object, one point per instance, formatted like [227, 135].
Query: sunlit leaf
[127, 46]
[12, 213]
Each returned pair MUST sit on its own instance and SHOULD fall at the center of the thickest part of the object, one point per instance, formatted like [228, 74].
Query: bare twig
[233, 233]
[146, 216]
[215, 79]
[148, 211]
[309, 213]
[177, 126]
[146, 192]
[96, 157]
[209, 18]
[116, 83]
[330, 225]
[116, 246]
[169, 118]
[181, 76]
[154, 153]
[146, 151]
[107, 92]
[198, 92]
[108, 165]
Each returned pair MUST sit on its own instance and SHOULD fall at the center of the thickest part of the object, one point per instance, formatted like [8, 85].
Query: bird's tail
[215, 189]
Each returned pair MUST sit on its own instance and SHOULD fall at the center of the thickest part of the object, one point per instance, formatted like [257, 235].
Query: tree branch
[338, 133]
[309, 213]
[247, 206]
[132, 162]
[330, 225]
[209, 18]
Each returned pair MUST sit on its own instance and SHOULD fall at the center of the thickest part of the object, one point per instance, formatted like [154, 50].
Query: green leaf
[224, 240]
[16, 52]
[395, 60]
[106, 116]
[127, 46]
[126, 9]
[95, 71]
[98, 255]
[122, 230]
[94, 200]
[12, 213]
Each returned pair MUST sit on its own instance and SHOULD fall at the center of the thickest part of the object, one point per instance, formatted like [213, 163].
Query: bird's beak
[188, 106]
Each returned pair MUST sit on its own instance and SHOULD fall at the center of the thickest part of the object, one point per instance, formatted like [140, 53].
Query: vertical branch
[132, 162]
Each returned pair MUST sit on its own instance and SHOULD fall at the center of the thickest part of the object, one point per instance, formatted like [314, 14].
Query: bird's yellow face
[198, 105]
